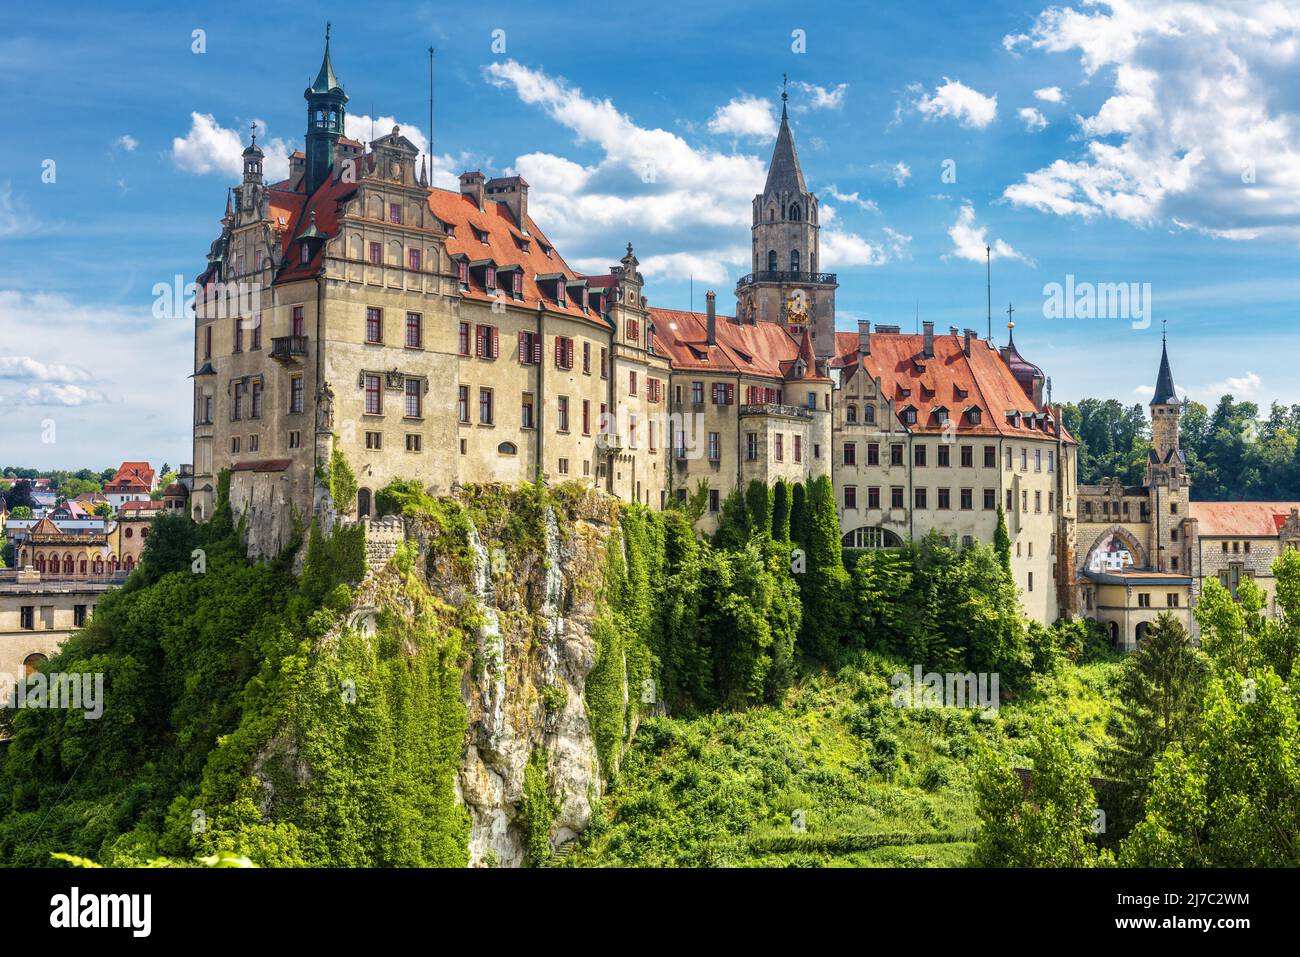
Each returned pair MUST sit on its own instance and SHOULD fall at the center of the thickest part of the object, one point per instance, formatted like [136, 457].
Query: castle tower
[1166, 412]
[785, 285]
[326, 113]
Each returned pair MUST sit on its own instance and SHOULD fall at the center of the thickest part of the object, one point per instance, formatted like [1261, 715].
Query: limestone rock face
[532, 649]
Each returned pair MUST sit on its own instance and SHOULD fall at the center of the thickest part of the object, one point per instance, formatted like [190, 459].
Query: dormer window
[546, 250]
[962, 393]
[1013, 419]
[490, 277]
[449, 229]
[941, 415]
[909, 415]
[306, 254]
[462, 272]
[480, 234]
[523, 244]
[517, 283]
[927, 392]
[973, 416]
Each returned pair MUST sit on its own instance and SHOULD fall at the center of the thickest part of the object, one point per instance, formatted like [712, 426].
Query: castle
[437, 335]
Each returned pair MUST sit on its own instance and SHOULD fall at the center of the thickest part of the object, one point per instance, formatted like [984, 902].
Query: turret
[326, 115]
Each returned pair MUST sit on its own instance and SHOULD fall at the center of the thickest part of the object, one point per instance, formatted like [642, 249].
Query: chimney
[969, 334]
[513, 191]
[711, 305]
[471, 184]
[952, 330]
[864, 337]
[929, 339]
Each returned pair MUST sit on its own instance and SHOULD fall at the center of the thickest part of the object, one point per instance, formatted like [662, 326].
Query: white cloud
[26, 368]
[127, 142]
[819, 97]
[1240, 387]
[54, 395]
[1032, 118]
[901, 173]
[955, 100]
[1200, 130]
[1049, 94]
[864, 204]
[211, 148]
[969, 240]
[13, 219]
[685, 206]
[749, 117]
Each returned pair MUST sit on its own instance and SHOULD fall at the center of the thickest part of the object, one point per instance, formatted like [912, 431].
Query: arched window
[82, 569]
[794, 212]
[794, 260]
[129, 533]
[869, 414]
[851, 413]
[67, 564]
[32, 663]
[98, 565]
[871, 537]
[40, 564]
[130, 562]
[363, 503]
[507, 448]
[771, 214]
[771, 260]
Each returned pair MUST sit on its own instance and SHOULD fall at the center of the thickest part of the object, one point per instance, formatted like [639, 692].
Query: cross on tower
[785, 82]
[1010, 310]
[253, 128]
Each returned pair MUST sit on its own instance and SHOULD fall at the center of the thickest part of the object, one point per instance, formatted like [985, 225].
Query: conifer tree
[1002, 540]
[799, 514]
[1157, 705]
[781, 511]
[758, 502]
[824, 582]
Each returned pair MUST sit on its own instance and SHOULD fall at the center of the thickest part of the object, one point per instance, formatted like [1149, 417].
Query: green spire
[325, 79]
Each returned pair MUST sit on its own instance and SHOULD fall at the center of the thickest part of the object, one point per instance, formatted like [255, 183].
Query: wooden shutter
[523, 347]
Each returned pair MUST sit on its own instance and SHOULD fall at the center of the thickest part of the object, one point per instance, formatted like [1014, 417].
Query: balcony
[789, 411]
[782, 275]
[288, 349]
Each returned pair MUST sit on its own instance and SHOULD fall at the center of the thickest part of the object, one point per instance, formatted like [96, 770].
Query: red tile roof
[950, 380]
[262, 465]
[762, 349]
[1244, 519]
[502, 243]
[130, 476]
[145, 505]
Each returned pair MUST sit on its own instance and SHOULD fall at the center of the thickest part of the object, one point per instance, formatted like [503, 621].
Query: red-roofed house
[133, 481]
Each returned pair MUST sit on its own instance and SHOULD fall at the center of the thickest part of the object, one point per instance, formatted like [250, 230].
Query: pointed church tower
[1166, 459]
[785, 286]
[326, 113]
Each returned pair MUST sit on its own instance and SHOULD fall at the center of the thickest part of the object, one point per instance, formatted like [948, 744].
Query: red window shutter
[478, 341]
[523, 347]
[537, 350]
[496, 342]
[559, 352]
[731, 395]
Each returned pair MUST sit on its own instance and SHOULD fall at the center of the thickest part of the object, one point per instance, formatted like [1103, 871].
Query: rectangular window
[297, 325]
[78, 615]
[564, 466]
[873, 496]
[967, 499]
[697, 393]
[850, 496]
[526, 411]
[462, 403]
[414, 330]
[254, 443]
[798, 448]
[1038, 460]
[919, 497]
[563, 352]
[1144, 600]
[715, 447]
[632, 330]
[413, 261]
[295, 439]
[374, 324]
[990, 499]
[631, 432]
[376, 254]
[207, 342]
[779, 445]
[485, 406]
[234, 445]
[1171, 599]
[945, 498]
[873, 453]
[256, 412]
[967, 456]
[896, 455]
[604, 363]
[562, 414]
[27, 616]
[586, 358]
[1008, 456]
[724, 393]
[1024, 460]
[374, 440]
[586, 417]
[374, 396]
[751, 446]
[413, 398]
[714, 500]
[631, 382]
[1051, 460]
[918, 455]
[239, 336]
[990, 456]
[256, 324]
[896, 496]
[487, 344]
[1038, 501]
[944, 458]
[413, 441]
[395, 213]
[237, 410]
[850, 453]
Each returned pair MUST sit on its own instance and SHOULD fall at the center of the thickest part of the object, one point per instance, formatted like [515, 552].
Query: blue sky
[1145, 142]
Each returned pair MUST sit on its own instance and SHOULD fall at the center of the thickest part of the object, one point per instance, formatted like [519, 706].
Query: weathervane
[785, 81]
